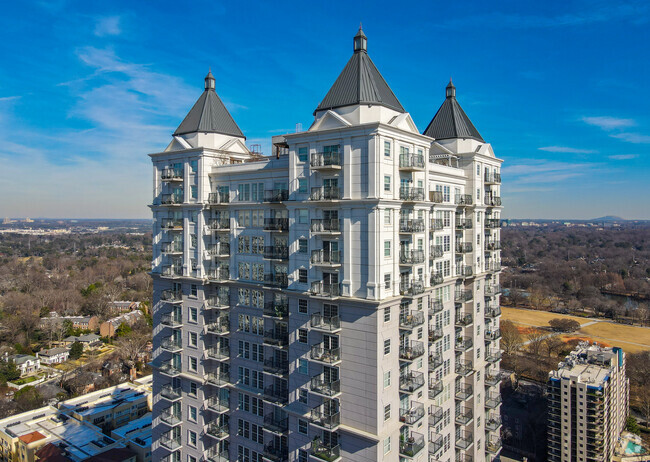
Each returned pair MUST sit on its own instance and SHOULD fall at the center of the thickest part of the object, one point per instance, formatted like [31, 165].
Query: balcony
[277, 309]
[219, 224]
[411, 415]
[218, 378]
[215, 454]
[276, 252]
[492, 201]
[171, 199]
[275, 423]
[435, 333]
[493, 445]
[408, 226]
[411, 257]
[464, 223]
[324, 257]
[276, 195]
[464, 247]
[276, 366]
[323, 387]
[436, 251]
[492, 245]
[171, 393]
[330, 193]
[276, 452]
[325, 418]
[437, 224]
[171, 248]
[219, 274]
[218, 429]
[436, 278]
[464, 271]
[463, 319]
[492, 380]
[411, 320]
[411, 352]
[326, 161]
[436, 197]
[492, 178]
[276, 224]
[411, 162]
[435, 361]
[492, 400]
[464, 415]
[463, 392]
[436, 415]
[493, 355]
[464, 440]
[435, 305]
[325, 226]
[172, 174]
[463, 344]
[278, 395]
[463, 295]
[325, 355]
[220, 353]
[219, 301]
[171, 271]
[170, 443]
[171, 296]
[411, 445]
[276, 337]
[463, 457]
[276, 279]
[492, 312]
[492, 223]
[218, 404]
[411, 381]
[171, 344]
[493, 423]
[464, 367]
[221, 249]
[325, 323]
[170, 369]
[463, 199]
[322, 289]
[492, 289]
[493, 266]
[407, 194]
[171, 418]
[493, 335]
[411, 289]
[220, 326]
[325, 452]
[173, 319]
[217, 198]
[436, 441]
[171, 223]
[435, 388]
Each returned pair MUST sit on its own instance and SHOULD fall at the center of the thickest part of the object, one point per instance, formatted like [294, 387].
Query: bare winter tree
[511, 339]
[535, 339]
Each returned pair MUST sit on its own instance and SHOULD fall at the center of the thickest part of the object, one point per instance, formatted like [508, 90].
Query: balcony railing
[171, 199]
[492, 177]
[493, 334]
[436, 441]
[412, 351]
[492, 201]
[493, 223]
[276, 394]
[411, 257]
[412, 414]
[219, 198]
[326, 160]
[464, 271]
[325, 452]
[436, 197]
[493, 445]
[463, 344]
[412, 319]
[171, 393]
[464, 247]
[170, 368]
[276, 224]
[171, 271]
[218, 404]
[411, 194]
[492, 289]
[171, 223]
[276, 252]
[276, 366]
[493, 266]
[492, 245]
[436, 251]
[219, 378]
[411, 381]
[492, 400]
[464, 415]
[276, 423]
[221, 249]
[437, 224]
[323, 289]
[411, 161]
[492, 379]
[219, 274]
[217, 454]
[435, 305]
[326, 323]
[331, 225]
[324, 417]
[435, 334]
[463, 319]
[276, 337]
[170, 248]
[436, 278]
[326, 257]
[276, 195]
[325, 355]
[435, 388]
[220, 325]
[411, 445]
[411, 288]
[172, 174]
[411, 225]
[170, 443]
[276, 279]
[464, 440]
[276, 452]
[219, 223]
[171, 344]
[219, 353]
[276, 308]
[171, 418]
[493, 312]
[493, 423]
[329, 388]
[218, 429]
[173, 319]
[436, 415]
[219, 301]
[464, 223]
[329, 193]
[464, 199]
[464, 367]
[464, 295]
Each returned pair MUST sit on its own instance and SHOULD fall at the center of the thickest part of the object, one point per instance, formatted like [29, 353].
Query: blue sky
[87, 89]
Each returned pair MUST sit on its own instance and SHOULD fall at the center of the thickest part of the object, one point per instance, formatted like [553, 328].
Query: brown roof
[31, 437]
[113, 455]
[51, 453]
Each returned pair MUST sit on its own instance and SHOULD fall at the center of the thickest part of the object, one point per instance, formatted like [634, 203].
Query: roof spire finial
[451, 89]
[360, 41]
[209, 80]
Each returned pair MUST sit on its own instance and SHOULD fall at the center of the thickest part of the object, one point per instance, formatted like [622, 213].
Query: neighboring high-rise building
[587, 404]
[338, 300]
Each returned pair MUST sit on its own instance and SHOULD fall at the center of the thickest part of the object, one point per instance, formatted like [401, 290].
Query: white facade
[337, 301]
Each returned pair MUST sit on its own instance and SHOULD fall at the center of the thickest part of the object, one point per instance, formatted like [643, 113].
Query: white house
[26, 363]
[53, 355]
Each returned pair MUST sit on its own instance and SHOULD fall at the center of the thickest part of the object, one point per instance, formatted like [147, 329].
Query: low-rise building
[89, 341]
[27, 364]
[78, 322]
[137, 434]
[109, 328]
[56, 355]
[122, 306]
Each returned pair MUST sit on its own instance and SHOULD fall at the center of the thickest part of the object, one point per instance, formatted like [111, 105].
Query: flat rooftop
[591, 364]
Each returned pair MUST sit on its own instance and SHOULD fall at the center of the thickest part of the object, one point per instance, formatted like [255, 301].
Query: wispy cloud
[635, 138]
[108, 25]
[566, 149]
[9, 98]
[536, 171]
[609, 123]
[623, 156]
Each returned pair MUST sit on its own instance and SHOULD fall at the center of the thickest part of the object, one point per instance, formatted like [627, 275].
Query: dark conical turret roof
[360, 82]
[451, 121]
[209, 115]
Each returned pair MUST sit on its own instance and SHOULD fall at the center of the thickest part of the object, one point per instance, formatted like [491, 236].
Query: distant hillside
[608, 218]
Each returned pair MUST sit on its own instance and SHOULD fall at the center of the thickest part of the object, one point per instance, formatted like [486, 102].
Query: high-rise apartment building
[338, 300]
[587, 404]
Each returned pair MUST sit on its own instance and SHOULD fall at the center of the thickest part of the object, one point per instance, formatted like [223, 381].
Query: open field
[632, 339]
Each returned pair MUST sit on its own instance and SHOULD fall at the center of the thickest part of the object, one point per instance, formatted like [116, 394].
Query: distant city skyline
[93, 88]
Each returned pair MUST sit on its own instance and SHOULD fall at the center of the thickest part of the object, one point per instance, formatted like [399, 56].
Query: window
[303, 306]
[478, 194]
[302, 185]
[386, 148]
[387, 314]
[302, 455]
[193, 389]
[386, 346]
[303, 153]
[387, 281]
[302, 246]
[388, 216]
[193, 364]
[303, 216]
[194, 166]
[387, 183]
[192, 413]
[386, 248]
[302, 276]
[191, 458]
[303, 395]
[194, 315]
[387, 445]
[303, 426]
[194, 192]
[244, 192]
[445, 193]
[386, 412]
[478, 170]
[193, 339]
[303, 366]
[194, 290]
[386, 379]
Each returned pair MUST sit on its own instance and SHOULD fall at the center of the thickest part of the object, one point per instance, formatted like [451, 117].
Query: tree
[9, 371]
[553, 344]
[76, 350]
[122, 330]
[130, 347]
[511, 339]
[632, 425]
[28, 398]
[535, 339]
[564, 324]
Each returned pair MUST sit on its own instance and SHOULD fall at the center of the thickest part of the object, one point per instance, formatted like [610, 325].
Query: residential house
[56, 355]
